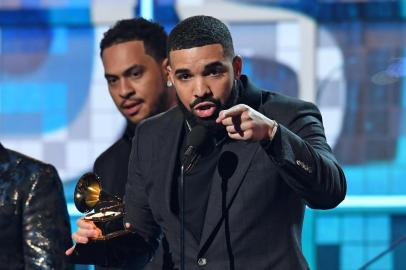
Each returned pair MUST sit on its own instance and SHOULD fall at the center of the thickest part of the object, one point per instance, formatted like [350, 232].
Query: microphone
[194, 141]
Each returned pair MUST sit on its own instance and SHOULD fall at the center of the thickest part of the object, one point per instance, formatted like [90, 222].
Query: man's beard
[209, 122]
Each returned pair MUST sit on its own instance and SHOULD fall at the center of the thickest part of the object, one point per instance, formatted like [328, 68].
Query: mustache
[124, 103]
[198, 100]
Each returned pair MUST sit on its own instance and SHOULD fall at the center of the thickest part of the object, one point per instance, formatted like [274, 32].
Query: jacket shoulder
[283, 108]
[29, 163]
[281, 100]
[110, 153]
[160, 120]
[32, 173]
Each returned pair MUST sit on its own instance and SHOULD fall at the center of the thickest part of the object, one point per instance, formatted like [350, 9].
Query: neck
[167, 100]
[171, 98]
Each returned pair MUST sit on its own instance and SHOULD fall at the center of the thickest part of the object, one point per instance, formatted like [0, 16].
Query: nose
[201, 88]
[126, 89]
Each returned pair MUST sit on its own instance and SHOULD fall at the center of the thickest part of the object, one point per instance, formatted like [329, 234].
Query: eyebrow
[214, 65]
[182, 71]
[127, 72]
[219, 66]
[209, 66]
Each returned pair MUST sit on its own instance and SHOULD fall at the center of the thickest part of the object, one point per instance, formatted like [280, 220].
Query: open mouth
[132, 108]
[204, 109]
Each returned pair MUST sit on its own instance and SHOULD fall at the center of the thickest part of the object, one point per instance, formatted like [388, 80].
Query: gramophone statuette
[108, 209]
[108, 216]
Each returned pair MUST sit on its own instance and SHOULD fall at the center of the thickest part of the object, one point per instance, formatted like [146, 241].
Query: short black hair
[199, 31]
[138, 29]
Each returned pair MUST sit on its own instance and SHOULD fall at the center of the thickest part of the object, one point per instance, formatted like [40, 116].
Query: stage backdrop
[345, 56]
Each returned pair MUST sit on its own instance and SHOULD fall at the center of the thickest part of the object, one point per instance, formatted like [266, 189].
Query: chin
[141, 115]
[207, 121]
[135, 119]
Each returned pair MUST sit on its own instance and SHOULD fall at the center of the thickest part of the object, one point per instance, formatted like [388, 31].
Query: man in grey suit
[263, 159]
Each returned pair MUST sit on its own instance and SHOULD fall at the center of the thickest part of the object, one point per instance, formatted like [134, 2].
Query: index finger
[233, 111]
[69, 251]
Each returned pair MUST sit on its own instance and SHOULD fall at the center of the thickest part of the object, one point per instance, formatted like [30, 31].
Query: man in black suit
[263, 159]
[133, 53]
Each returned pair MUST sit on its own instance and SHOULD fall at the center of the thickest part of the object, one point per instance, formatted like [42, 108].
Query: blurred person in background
[133, 53]
[34, 221]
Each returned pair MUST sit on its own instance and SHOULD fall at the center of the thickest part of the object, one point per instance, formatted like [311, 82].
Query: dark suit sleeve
[46, 229]
[111, 166]
[127, 251]
[305, 160]
[138, 212]
[97, 167]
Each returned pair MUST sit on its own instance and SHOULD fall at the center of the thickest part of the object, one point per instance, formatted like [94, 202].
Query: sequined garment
[34, 222]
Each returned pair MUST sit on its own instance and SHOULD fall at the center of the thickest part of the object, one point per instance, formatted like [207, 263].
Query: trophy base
[109, 222]
[107, 250]
[111, 235]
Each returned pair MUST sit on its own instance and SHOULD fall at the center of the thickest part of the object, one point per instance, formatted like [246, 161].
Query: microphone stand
[195, 139]
[226, 222]
[187, 165]
[182, 217]
[380, 255]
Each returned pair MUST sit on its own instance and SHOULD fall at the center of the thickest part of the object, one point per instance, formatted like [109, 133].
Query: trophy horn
[87, 192]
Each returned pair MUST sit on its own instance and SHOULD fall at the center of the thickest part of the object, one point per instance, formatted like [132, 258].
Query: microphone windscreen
[196, 137]
[227, 164]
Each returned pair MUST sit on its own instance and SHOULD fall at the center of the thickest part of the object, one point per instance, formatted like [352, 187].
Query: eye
[183, 77]
[111, 80]
[214, 72]
[136, 74]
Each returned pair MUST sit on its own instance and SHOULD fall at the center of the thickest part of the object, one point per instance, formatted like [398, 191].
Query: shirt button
[202, 261]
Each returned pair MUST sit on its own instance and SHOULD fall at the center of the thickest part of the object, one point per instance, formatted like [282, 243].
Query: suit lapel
[172, 133]
[167, 146]
[245, 152]
[251, 96]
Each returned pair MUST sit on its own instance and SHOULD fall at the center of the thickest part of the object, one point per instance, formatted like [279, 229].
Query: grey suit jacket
[260, 224]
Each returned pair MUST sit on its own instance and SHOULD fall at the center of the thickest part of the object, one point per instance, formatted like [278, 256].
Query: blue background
[46, 65]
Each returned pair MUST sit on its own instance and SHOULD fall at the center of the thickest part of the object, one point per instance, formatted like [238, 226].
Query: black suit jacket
[34, 221]
[111, 166]
[265, 196]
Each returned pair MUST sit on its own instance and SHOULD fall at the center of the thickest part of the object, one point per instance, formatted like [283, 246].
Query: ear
[166, 69]
[169, 72]
[164, 66]
[237, 66]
